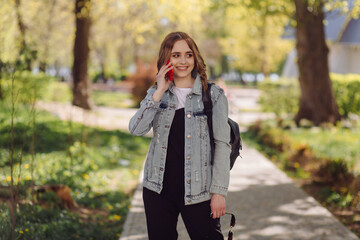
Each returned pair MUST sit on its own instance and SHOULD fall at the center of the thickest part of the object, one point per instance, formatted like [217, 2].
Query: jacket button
[188, 136]
[188, 157]
[189, 116]
[188, 181]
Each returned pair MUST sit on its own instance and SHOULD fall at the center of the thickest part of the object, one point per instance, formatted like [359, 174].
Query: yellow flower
[296, 165]
[26, 166]
[8, 178]
[110, 207]
[85, 176]
[343, 189]
[26, 230]
[135, 172]
[117, 217]
[83, 144]
[118, 234]
[27, 178]
[21, 232]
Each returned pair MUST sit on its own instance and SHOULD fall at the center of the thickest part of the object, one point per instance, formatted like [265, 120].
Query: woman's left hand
[218, 206]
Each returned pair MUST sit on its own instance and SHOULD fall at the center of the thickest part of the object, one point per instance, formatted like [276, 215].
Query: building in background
[343, 38]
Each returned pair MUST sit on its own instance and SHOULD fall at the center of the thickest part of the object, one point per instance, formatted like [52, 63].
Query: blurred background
[72, 74]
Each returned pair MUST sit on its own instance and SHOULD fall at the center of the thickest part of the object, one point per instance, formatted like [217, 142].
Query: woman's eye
[176, 55]
[189, 55]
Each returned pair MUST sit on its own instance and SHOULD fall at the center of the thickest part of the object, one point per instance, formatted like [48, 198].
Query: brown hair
[165, 54]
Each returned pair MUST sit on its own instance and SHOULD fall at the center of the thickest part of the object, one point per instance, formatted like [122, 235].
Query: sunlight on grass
[100, 167]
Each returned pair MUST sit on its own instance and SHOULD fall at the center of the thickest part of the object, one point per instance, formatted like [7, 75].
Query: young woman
[178, 176]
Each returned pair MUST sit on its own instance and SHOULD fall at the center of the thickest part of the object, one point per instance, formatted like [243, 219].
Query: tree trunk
[22, 29]
[1, 92]
[224, 64]
[46, 42]
[81, 88]
[264, 62]
[317, 101]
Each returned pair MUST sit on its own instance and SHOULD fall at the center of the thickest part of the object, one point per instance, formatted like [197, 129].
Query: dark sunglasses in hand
[232, 224]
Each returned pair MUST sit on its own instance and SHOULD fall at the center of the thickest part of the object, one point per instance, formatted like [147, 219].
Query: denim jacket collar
[196, 89]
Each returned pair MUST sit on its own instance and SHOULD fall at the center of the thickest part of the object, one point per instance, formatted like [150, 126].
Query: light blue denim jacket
[201, 178]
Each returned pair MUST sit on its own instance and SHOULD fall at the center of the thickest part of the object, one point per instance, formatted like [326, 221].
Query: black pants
[162, 215]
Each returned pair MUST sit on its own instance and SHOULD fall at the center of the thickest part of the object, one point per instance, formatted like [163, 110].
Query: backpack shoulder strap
[206, 97]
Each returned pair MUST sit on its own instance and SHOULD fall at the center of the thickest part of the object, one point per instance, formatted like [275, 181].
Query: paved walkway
[267, 205]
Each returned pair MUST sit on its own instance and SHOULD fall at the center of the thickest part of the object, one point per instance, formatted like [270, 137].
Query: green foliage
[35, 222]
[329, 156]
[282, 97]
[337, 143]
[333, 197]
[27, 86]
[112, 99]
[57, 92]
[256, 45]
[101, 168]
[347, 89]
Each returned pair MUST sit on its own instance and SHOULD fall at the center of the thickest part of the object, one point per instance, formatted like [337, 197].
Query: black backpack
[235, 139]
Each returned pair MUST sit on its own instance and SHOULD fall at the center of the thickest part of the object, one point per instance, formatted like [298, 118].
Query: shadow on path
[267, 205]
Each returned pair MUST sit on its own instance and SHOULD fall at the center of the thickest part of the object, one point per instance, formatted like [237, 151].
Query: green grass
[101, 168]
[336, 143]
[112, 99]
[61, 92]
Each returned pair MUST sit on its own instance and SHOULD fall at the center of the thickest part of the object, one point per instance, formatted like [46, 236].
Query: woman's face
[182, 58]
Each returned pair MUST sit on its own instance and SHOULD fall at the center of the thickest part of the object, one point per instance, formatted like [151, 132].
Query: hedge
[282, 97]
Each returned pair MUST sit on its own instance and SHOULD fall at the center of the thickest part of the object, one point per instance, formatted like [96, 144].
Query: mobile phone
[170, 74]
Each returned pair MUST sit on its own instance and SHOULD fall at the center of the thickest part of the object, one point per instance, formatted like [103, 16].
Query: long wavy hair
[165, 54]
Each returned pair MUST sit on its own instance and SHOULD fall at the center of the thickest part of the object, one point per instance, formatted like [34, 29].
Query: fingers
[165, 68]
[160, 77]
[218, 206]
[216, 213]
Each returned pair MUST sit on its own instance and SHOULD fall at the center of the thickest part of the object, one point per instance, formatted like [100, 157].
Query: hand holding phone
[170, 74]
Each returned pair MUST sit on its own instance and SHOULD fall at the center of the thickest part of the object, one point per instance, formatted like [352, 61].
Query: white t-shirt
[181, 94]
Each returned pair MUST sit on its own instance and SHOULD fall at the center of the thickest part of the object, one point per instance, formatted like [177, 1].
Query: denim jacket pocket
[200, 173]
[159, 116]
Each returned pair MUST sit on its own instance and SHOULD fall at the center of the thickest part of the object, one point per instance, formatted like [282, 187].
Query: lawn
[61, 92]
[324, 161]
[100, 167]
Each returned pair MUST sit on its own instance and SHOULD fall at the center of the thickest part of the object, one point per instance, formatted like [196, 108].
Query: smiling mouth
[182, 68]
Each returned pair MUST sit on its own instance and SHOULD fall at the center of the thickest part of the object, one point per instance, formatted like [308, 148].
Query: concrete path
[267, 205]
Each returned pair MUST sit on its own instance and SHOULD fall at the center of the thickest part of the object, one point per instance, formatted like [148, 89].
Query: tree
[81, 87]
[253, 34]
[24, 48]
[317, 101]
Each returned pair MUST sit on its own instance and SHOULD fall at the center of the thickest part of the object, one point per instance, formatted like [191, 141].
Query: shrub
[27, 86]
[282, 97]
[347, 89]
[142, 79]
